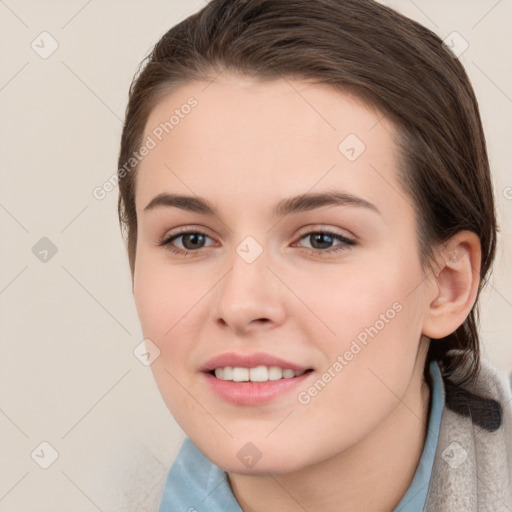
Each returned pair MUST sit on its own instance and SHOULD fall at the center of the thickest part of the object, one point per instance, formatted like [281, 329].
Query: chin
[250, 460]
[261, 468]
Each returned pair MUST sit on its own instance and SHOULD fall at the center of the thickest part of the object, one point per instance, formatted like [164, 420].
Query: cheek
[172, 308]
[374, 313]
[369, 365]
[164, 301]
[351, 297]
[163, 295]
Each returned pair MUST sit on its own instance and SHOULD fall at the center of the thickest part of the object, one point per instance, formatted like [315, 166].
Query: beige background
[69, 325]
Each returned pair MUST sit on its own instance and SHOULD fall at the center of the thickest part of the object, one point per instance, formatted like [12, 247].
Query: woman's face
[348, 305]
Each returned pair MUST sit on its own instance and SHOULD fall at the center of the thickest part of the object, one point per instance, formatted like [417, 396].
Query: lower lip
[253, 393]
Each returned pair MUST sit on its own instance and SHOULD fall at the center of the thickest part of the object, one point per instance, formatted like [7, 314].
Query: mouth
[256, 374]
[252, 386]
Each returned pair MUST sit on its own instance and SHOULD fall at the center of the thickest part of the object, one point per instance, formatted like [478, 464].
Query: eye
[322, 238]
[193, 241]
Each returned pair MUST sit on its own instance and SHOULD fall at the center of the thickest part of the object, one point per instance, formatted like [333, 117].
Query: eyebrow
[300, 203]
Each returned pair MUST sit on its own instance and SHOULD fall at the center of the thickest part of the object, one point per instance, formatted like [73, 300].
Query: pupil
[318, 238]
[193, 236]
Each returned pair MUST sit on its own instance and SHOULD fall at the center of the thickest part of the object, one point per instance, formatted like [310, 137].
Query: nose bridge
[249, 291]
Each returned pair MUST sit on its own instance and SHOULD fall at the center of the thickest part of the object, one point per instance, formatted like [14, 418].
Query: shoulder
[472, 466]
[494, 381]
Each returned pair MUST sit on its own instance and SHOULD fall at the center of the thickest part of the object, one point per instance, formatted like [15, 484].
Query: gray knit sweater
[472, 469]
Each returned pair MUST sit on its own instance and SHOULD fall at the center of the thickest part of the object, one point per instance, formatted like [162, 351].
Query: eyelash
[345, 245]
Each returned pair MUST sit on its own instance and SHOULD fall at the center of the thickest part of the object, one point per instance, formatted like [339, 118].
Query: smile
[250, 392]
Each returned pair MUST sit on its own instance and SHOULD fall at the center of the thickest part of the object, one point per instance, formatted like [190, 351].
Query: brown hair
[360, 47]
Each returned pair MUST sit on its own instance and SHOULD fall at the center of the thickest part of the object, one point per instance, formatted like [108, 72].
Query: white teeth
[240, 374]
[275, 373]
[257, 374]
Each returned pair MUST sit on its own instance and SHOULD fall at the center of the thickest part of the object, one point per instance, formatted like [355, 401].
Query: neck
[372, 475]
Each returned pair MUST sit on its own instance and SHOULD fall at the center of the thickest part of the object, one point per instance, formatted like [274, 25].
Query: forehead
[271, 137]
[234, 104]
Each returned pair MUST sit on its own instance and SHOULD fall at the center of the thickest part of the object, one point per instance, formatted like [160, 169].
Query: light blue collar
[416, 496]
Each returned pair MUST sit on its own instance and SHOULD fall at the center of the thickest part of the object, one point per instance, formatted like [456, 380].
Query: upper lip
[249, 361]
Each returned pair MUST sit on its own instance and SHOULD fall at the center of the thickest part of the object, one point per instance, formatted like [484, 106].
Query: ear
[457, 278]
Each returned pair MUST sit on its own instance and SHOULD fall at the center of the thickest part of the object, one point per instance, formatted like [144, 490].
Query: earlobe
[458, 280]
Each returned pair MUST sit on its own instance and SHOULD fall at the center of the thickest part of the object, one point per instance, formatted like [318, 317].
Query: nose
[249, 297]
